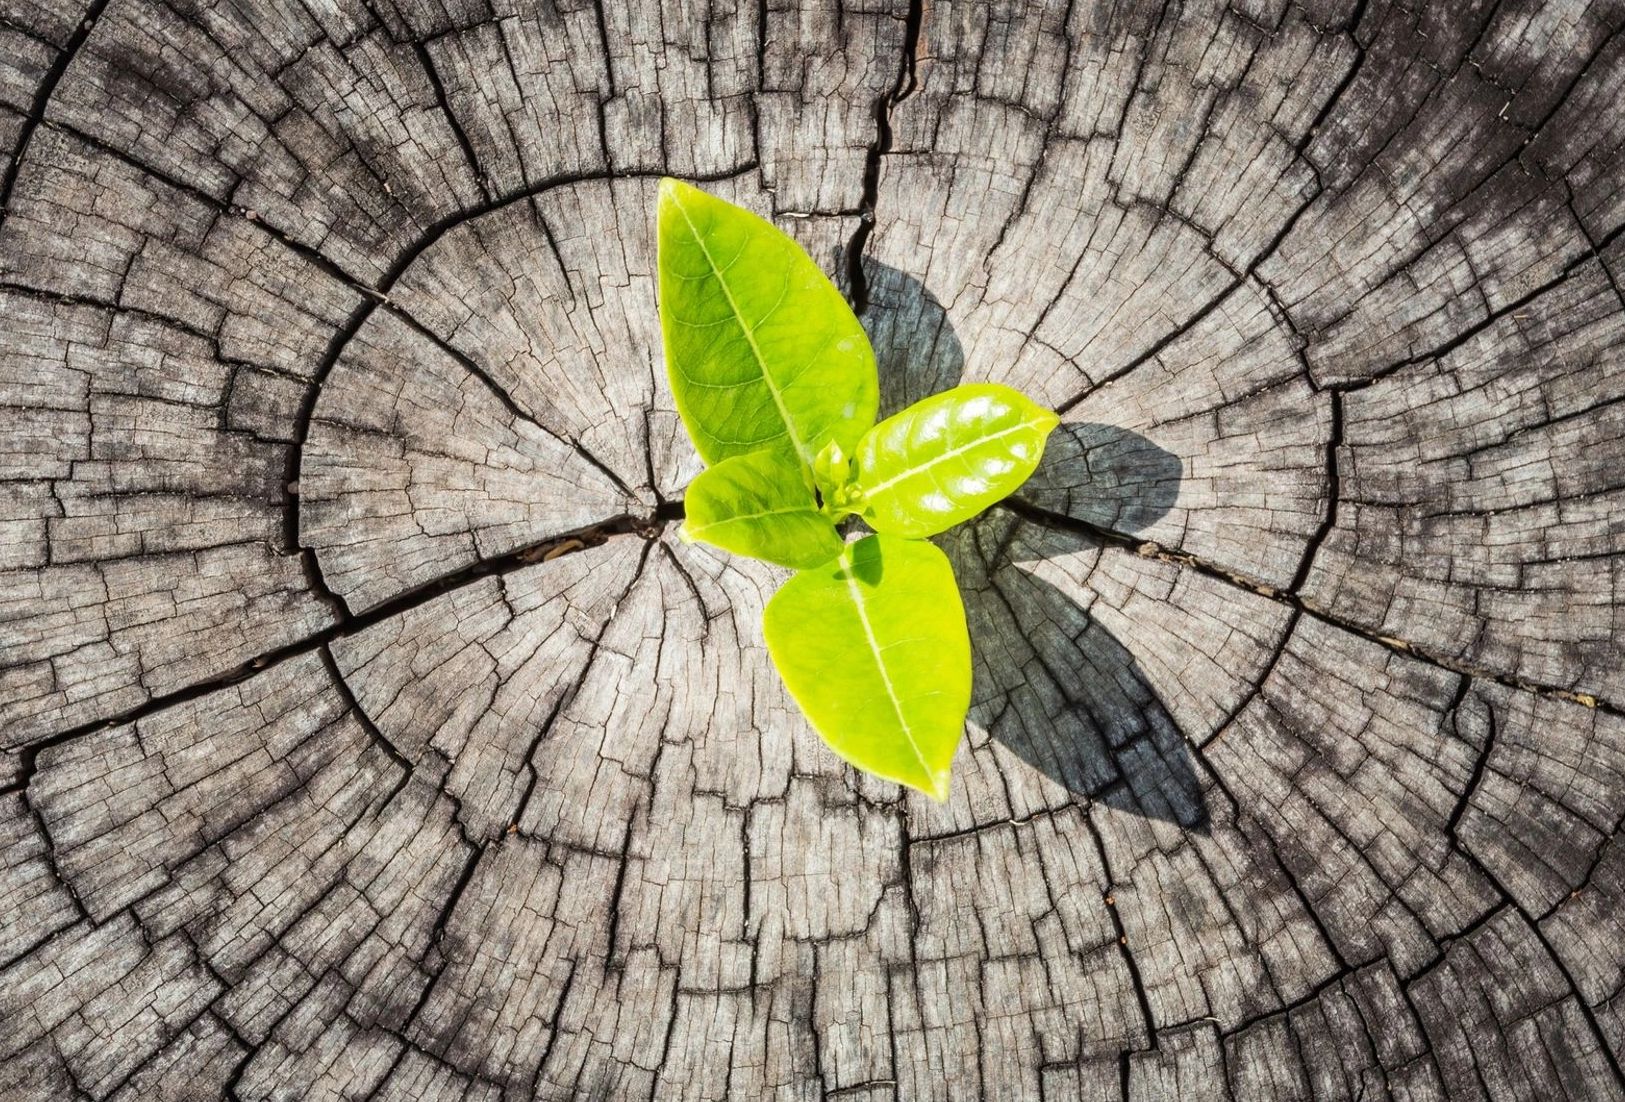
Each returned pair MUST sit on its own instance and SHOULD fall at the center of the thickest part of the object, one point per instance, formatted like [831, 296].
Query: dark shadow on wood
[1105, 476]
[916, 348]
[1051, 684]
[1056, 688]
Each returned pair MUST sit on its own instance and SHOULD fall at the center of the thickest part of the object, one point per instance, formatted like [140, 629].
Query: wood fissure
[1152, 550]
[644, 528]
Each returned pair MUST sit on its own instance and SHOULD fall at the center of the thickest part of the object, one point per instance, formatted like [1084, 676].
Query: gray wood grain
[366, 732]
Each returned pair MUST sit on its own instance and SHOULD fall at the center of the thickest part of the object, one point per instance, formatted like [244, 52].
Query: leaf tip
[679, 193]
[936, 786]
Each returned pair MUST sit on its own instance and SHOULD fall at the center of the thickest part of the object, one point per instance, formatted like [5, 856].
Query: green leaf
[946, 458]
[762, 349]
[760, 505]
[874, 648]
[832, 474]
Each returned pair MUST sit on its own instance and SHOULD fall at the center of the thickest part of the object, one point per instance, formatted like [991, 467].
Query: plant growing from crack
[776, 383]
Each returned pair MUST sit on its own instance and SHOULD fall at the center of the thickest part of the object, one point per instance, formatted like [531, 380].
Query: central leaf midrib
[880, 664]
[953, 453]
[750, 337]
[786, 510]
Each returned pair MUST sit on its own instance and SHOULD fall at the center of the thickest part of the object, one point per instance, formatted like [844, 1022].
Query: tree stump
[366, 733]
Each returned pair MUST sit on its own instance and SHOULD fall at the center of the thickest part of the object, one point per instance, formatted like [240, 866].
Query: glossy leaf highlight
[948, 457]
[760, 505]
[761, 348]
[874, 648]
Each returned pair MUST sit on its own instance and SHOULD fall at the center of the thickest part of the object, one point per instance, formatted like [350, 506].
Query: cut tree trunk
[366, 732]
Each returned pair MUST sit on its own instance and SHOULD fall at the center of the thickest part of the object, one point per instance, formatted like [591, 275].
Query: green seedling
[776, 384]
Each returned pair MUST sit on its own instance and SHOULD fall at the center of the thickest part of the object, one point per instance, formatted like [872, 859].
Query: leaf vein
[880, 664]
[750, 336]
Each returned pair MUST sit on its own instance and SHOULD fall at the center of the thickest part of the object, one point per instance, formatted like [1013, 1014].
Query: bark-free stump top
[365, 732]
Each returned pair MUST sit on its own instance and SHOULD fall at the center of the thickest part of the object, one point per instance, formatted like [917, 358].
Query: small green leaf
[946, 458]
[762, 506]
[874, 648]
[761, 348]
[832, 469]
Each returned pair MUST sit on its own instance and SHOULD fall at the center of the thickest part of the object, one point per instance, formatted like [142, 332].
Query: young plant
[776, 384]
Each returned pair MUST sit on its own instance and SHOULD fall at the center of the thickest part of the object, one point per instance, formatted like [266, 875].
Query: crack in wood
[857, 281]
[1151, 550]
[647, 528]
[42, 100]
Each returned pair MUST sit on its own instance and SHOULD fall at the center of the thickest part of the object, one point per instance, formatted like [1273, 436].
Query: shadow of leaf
[916, 349]
[1052, 685]
[1056, 688]
[1108, 476]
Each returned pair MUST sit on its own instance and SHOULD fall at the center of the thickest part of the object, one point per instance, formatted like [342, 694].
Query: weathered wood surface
[365, 733]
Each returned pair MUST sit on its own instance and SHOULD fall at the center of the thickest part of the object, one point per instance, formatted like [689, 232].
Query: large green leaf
[762, 349]
[873, 646]
[760, 505]
[946, 458]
